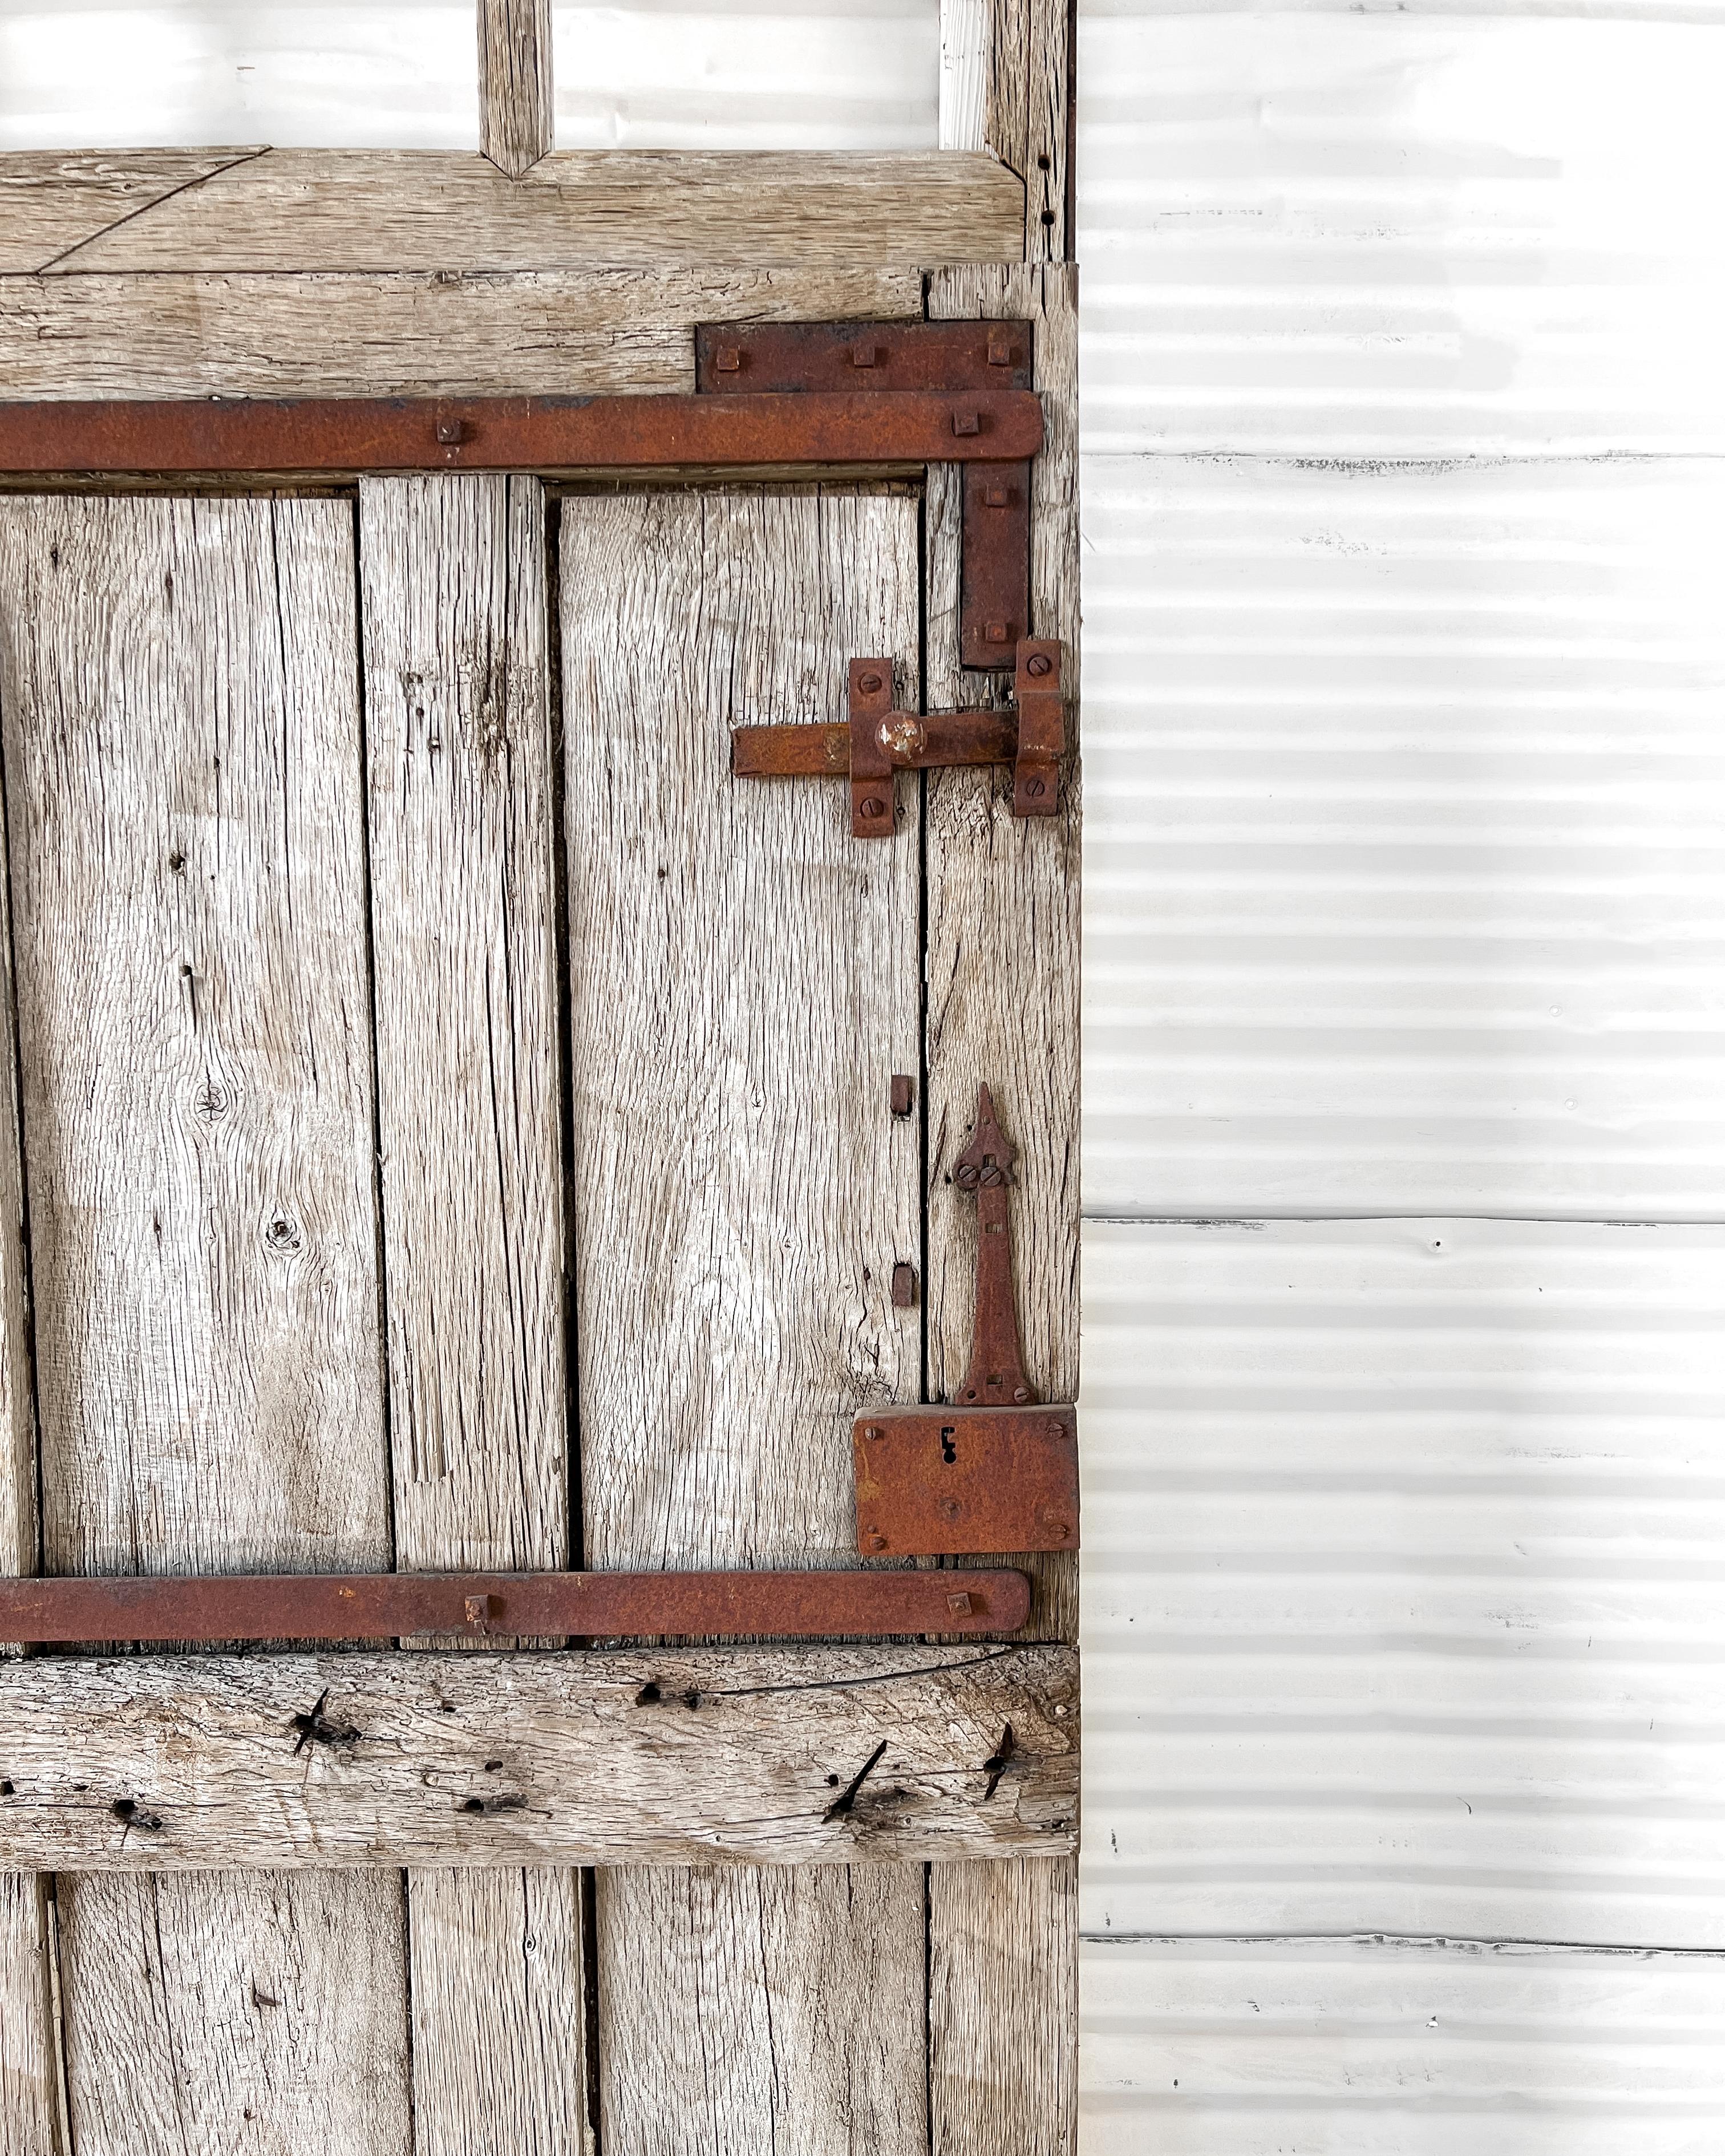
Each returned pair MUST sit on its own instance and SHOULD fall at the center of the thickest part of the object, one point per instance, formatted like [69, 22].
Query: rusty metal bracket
[782, 1605]
[877, 740]
[757, 358]
[994, 1470]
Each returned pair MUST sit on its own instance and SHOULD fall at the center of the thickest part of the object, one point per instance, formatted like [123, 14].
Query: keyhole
[948, 1432]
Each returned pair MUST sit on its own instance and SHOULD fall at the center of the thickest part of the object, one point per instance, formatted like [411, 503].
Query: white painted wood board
[1387, 2046]
[1330, 231]
[1402, 1602]
[1403, 887]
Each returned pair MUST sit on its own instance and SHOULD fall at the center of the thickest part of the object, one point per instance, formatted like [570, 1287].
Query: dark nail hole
[445, 1707]
[6, 1789]
[473, 1804]
[832, 1781]
[1048, 217]
[647, 1696]
[494, 1766]
[1043, 163]
[691, 1700]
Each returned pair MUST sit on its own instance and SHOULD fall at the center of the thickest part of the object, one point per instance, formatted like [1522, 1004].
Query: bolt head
[1039, 662]
[870, 683]
[874, 808]
[951, 1508]
[996, 497]
[1036, 788]
[1059, 1529]
[1021, 1396]
[729, 360]
[967, 422]
[959, 1605]
[875, 1542]
[451, 431]
[994, 632]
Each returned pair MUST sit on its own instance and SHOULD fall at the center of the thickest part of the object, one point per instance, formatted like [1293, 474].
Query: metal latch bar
[877, 740]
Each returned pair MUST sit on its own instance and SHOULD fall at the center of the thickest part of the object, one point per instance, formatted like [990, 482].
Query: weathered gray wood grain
[1003, 1006]
[237, 2012]
[458, 733]
[500, 2016]
[30, 2043]
[554, 332]
[451, 210]
[29, 2056]
[744, 985]
[52, 201]
[517, 108]
[178, 682]
[736, 1756]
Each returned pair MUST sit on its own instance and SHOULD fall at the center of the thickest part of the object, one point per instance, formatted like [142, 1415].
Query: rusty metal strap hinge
[995, 1471]
[529, 1605]
[877, 740]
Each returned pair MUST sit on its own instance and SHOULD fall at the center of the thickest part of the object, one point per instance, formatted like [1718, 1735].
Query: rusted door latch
[877, 740]
[996, 1471]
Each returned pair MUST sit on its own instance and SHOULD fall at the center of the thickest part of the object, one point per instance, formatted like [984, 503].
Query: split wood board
[552, 332]
[396, 210]
[165, 1762]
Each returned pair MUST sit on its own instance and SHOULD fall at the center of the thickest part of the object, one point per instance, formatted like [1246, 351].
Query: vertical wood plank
[1003, 1006]
[517, 108]
[743, 986]
[179, 686]
[29, 2059]
[458, 708]
[1027, 113]
[30, 2050]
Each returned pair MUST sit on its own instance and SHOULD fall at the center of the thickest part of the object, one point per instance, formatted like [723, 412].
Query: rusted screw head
[1036, 788]
[875, 1542]
[451, 430]
[951, 1507]
[1021, 1396]
[1039, 662]
[1054, 1427]
[1058, 1528]
[873, 807]
[870, 683]
[959, 1605]
[873, 1431]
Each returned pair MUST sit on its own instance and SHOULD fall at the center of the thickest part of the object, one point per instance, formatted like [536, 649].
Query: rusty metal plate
[757, 357]
[949, 1482]
[347, 435]
[994, 564]
[773, 1605]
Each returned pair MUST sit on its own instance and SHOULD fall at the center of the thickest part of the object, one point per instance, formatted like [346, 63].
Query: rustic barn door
[455, 1131]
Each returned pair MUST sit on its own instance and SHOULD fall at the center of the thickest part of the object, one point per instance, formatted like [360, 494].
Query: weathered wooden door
[453, 1130]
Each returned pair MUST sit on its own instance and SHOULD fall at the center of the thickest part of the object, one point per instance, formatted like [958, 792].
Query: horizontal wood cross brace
[825, 1755]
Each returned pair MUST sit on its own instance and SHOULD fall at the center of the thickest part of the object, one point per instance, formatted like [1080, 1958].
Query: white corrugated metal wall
[1404, 553]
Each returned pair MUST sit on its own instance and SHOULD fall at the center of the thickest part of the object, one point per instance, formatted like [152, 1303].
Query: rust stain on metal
[876, 741]
[348, 435]
[996, 1376]
[549, 1604]
[940, 1481]
[1042, 729]
[994, 564]
[911, 355]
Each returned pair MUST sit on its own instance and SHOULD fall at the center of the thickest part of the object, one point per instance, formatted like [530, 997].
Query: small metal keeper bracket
[878, 739]
[995, 1471]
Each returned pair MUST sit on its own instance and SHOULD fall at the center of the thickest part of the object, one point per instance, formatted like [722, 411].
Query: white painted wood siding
[1402, 669]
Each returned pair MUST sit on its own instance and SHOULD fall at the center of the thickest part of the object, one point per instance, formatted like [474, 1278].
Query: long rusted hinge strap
[528, 1605]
